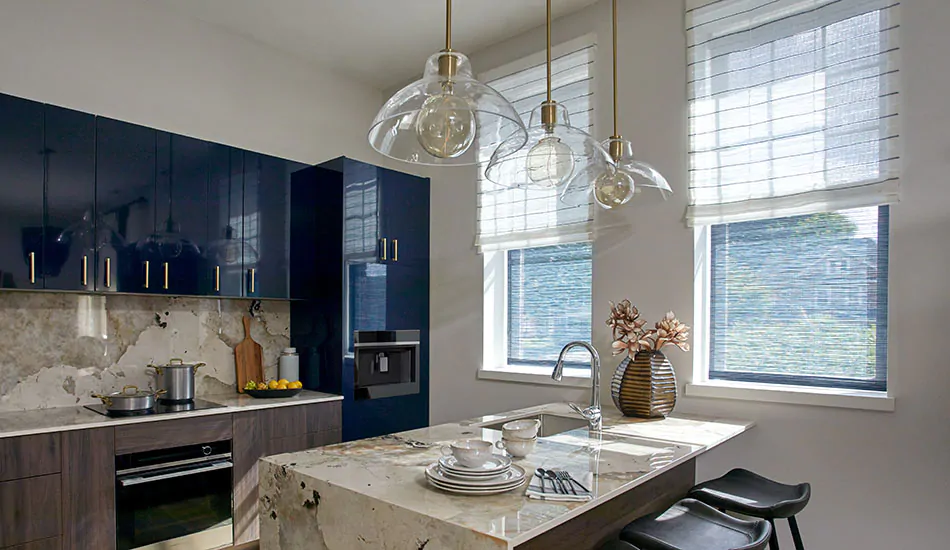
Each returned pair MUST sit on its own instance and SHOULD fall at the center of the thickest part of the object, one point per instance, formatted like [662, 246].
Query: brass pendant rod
[448, 25]
[549, 49]
[616, 133]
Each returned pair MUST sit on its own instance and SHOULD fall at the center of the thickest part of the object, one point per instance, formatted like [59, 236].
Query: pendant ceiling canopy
[437, 119]
[616, 184]
[554, 153]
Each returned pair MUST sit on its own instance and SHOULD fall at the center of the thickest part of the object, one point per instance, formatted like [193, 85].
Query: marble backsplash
[57, 349]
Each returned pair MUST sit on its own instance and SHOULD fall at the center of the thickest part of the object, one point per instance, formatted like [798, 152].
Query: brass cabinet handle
[217, 278]
[385, 246]
[85, 270]
[166, 276]
[32, 267]
[146, 273]
[108, 272]
[252, 280]
[395, 250]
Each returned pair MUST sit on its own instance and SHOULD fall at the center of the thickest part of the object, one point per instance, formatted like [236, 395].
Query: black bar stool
[750, 494]
[618, 545]
[692, 525]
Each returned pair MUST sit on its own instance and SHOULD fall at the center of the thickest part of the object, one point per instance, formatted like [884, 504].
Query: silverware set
[561, 482]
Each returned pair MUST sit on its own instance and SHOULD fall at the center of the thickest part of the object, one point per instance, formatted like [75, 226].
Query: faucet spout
[591, 413]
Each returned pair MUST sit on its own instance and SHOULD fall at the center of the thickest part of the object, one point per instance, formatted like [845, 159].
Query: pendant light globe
[614, 188]
[437, 119]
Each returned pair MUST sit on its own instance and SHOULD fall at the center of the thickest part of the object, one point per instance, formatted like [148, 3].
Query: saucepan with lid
[177, 378]
[130, 399]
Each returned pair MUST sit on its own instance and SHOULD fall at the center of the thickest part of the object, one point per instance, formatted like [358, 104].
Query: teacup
[521, 429]
[518, 448]
[471, 453]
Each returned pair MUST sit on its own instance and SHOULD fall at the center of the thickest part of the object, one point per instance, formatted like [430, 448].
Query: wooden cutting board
[248, 359]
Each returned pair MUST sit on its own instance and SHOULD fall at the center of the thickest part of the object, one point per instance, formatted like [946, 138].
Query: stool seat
[692, 525]
[753, 495]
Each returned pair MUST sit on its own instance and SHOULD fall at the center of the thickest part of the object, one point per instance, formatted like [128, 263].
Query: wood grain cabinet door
[28, 456]
[150, 436]
[247, 447]
[89, 489]
[30, 509]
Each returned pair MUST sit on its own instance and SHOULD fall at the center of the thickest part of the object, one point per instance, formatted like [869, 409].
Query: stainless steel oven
[174, 498]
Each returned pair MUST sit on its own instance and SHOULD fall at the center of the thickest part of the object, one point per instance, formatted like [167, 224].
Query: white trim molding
[794, 395]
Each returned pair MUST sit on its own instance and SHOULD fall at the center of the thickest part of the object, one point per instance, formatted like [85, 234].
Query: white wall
[132, 61]
[880, 479]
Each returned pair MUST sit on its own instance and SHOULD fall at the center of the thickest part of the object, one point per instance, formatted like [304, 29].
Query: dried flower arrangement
[630, 336]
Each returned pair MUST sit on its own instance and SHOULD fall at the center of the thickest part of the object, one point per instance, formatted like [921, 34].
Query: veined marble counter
[60, 419]
[373, 493]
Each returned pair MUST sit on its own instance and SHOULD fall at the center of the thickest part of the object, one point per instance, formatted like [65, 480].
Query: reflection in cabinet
[224, 270]
[72, 235]
[21, 190]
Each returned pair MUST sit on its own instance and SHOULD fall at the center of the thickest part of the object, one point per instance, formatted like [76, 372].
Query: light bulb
[613, 188]
[550, 163]
[445, 126]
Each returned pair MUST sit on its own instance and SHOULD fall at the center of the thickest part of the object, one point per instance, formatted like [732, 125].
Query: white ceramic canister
[288, 366]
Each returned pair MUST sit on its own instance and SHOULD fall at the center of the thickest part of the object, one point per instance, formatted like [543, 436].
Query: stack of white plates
[498, 475]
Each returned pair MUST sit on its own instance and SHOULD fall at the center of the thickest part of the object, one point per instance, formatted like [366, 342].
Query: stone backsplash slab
[57, 349]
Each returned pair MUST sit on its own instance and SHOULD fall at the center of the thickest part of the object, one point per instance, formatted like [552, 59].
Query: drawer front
[149, 436]
[54, 543]
[285, 421]
[30, 509]
[325, 417]
[324, 438]
[29, 456]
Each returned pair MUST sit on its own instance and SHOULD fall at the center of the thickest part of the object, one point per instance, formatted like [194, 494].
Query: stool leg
[773, 540]
[796, 535]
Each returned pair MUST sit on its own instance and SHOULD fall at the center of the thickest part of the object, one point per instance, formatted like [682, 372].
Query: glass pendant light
[435, 120]
[617, 184]
[554, 153]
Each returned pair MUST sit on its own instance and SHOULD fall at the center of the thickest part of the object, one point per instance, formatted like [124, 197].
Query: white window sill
[522, 374]
[795, 395]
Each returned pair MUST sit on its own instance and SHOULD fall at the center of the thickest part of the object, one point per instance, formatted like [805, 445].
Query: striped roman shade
[520, 218]
[793, 107]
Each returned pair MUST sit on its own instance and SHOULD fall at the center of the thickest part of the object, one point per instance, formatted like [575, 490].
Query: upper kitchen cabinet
[22, 158]
[126, 174]
[224, 272]
[73, 237]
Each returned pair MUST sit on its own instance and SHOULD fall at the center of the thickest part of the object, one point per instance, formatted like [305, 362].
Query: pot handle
[125, 389]
[160, 392]
[175, 362]
[197, 366]
[106, 400]
[158, 370]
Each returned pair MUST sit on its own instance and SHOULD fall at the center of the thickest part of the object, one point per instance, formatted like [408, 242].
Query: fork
[571, 481]
[563, 477]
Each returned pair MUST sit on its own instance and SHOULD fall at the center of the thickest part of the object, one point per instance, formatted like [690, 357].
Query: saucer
[496, 465]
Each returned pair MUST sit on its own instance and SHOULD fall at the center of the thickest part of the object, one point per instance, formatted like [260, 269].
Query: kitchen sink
[551, 424]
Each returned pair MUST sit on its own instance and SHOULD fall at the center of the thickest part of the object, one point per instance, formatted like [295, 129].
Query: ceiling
[383, 43]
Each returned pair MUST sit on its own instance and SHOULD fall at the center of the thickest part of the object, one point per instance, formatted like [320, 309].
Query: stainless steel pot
[177, 378]
[131, 398]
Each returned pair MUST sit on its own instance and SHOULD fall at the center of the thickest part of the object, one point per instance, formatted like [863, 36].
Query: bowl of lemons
[273, 388]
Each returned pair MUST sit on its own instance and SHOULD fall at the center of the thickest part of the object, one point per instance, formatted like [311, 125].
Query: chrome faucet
[592, 413]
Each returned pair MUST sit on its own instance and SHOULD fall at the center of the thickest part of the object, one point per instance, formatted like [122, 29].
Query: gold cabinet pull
[217, 278]
[385, 246]
[108, 272]
[165, 286]
[32, 268]
[395, 250]
[146, 273]
[252, 280]
[85, 270]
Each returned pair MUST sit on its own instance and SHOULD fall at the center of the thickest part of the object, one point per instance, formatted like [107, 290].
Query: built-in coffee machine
[386, 362]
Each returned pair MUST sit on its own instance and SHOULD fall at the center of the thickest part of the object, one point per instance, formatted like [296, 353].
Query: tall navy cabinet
[360, 263]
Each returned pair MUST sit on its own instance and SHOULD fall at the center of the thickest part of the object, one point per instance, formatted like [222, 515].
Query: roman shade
[792, 107]
[523, 218]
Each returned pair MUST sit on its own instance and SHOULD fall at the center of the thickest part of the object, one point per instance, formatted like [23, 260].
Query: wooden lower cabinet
[89, 489]
[53, 543]
[30, 509]
[268, 432]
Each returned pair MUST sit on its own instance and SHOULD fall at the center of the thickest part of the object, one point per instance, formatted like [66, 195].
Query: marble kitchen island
[373, 493]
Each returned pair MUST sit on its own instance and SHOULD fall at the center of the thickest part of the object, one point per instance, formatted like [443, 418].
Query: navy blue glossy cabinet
[21, 190]
[224, 273]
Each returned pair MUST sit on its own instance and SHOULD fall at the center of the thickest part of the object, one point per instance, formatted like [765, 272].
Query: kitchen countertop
[373, 493]
[39, 421]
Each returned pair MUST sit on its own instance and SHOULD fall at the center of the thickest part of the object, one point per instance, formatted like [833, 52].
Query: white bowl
[521, 429]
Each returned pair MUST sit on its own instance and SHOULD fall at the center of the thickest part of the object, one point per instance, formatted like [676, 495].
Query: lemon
[273, 384]
[295, 385]
[282, 386]
[283, 381]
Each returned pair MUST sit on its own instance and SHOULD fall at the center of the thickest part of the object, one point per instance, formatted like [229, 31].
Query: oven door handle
[181, 473]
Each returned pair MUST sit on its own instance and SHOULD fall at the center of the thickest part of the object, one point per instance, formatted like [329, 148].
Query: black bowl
[270, 394]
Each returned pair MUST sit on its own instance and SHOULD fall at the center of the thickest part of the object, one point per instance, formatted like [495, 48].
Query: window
[778, 316]
[537, 250]
[793, 163]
